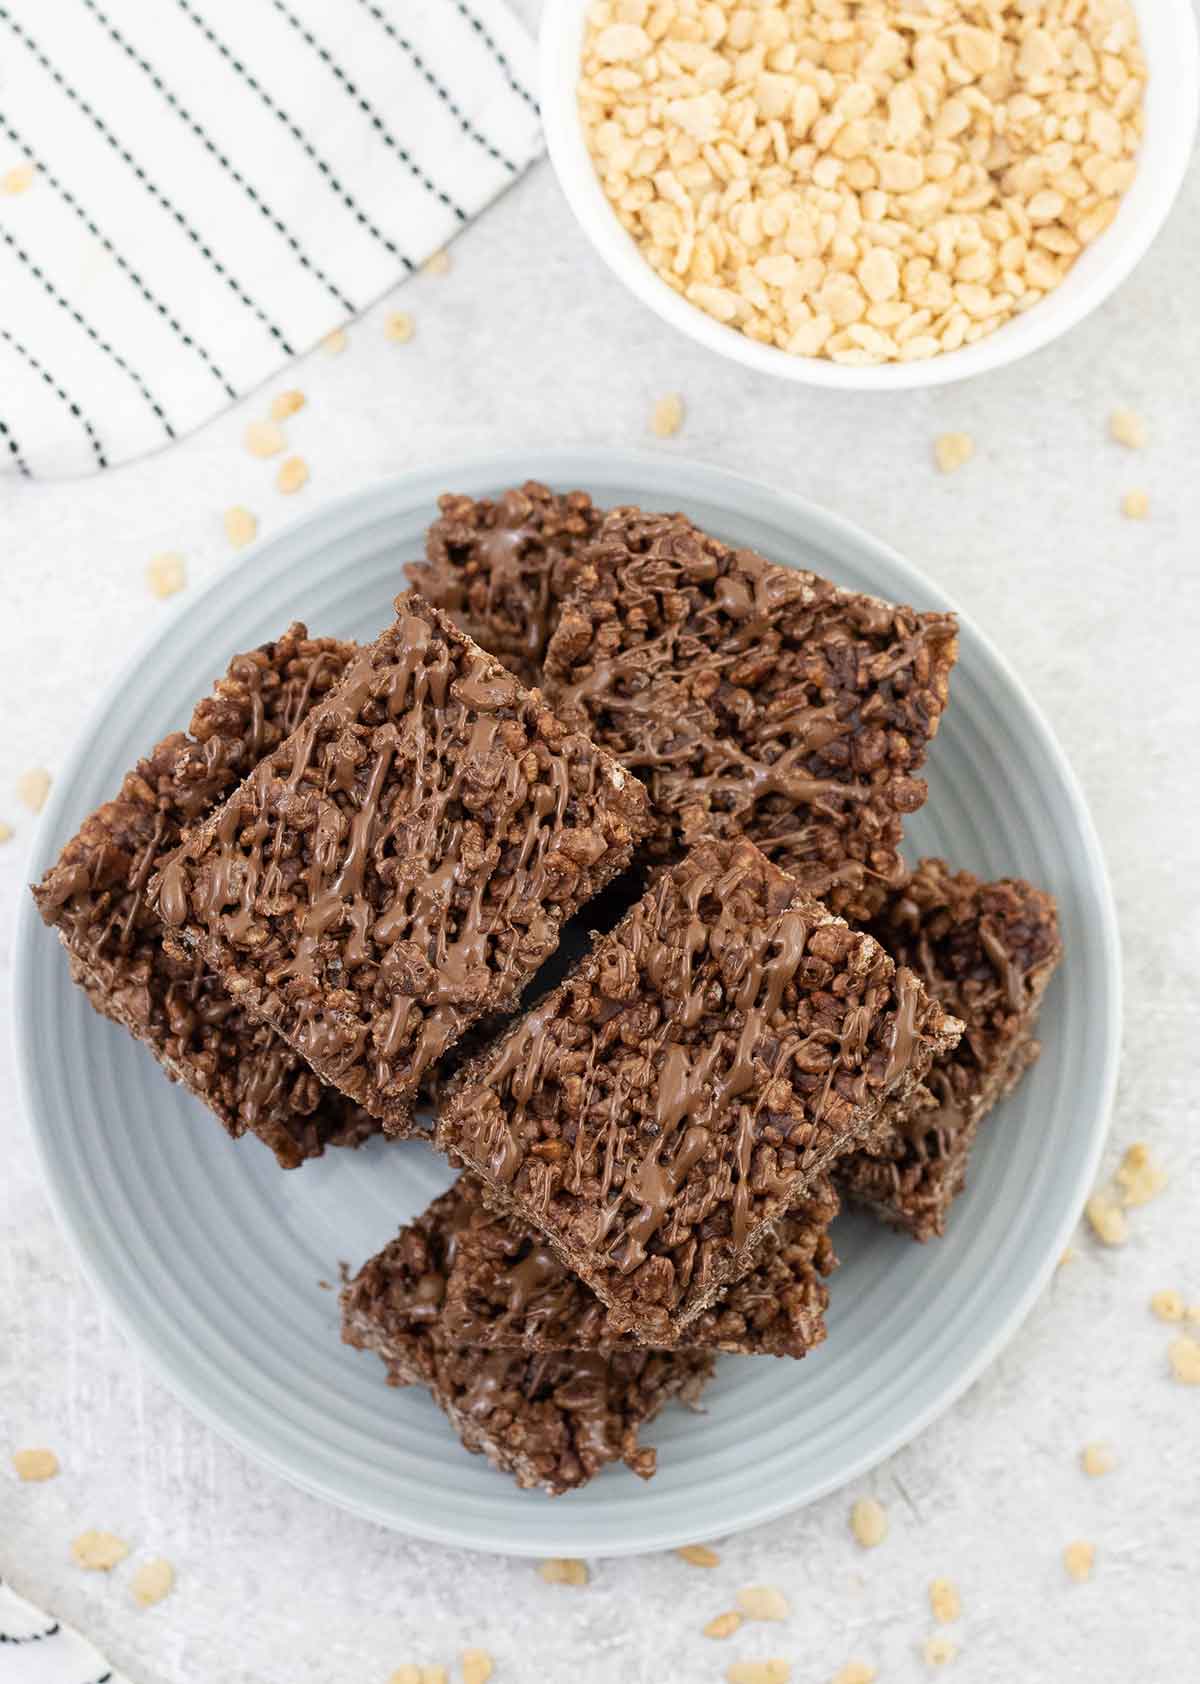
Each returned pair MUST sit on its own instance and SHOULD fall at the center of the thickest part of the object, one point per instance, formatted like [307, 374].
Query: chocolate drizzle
[501, 569]
[655, 1112]
[754, 699]
[482, 1279]
[96, 896]
[987, 952]
[547, 1419]
[404, 862]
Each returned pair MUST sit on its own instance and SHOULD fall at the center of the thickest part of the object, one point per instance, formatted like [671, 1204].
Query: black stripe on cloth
[369, 112]
[27, 356]
[439, 88]
[45, 173]
[155, 193]
[347, 198]
[14, 450]
[101, 344]
[50, 1631]
[214, 151]
[477, 25]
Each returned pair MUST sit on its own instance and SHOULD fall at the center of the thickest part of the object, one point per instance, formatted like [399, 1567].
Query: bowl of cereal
[867, 196]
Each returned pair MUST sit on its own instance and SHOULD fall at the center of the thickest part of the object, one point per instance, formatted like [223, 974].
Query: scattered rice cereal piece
[99, 1552]
[334, 343]
[152, 1581]
[292, 475]
[723, 1625]
[1135, 505]
[1139, 1178]
[477, 1666]
[241, 527]
[35, 1465]
[699, 1555]
[855, 1672]
[264, 438]
[284, 404]
[869, 1522]
[1107, 1220]
[1068, 1256]
[405, 1675]
[434, 1675]
[33, 787]
[773, 1671]
[1168, 1305]
[166, 574]
[1184, 1353]
[6, 832]
[17, 180]
[438, 264]
[1097, 1459]
[945, 1601]
[763, 1602]
[939, 1650]
[561, 1570]
[1079, 1557]
[667, 416]
[953, 450]
[398, 327]
[1128, 428]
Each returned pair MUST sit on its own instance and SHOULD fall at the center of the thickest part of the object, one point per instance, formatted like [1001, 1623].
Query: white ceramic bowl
[1169, 42]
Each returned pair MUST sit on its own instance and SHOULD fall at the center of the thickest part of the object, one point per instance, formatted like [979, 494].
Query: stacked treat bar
[347, 886]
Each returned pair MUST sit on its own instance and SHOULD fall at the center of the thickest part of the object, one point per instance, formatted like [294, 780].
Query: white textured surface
[528, 339]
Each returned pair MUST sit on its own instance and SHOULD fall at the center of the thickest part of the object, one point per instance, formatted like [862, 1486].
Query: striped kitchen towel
[35, 1648]
[194, 191]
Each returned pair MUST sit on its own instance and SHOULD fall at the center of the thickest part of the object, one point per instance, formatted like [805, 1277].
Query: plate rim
[558, 466]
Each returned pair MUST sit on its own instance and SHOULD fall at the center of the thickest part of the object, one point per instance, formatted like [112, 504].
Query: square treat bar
[754, 699]
[95, 897]
[657, 1112]
[501, 569]
[986, 951]
[401, 866]
[476, 1276]
[550, 1419]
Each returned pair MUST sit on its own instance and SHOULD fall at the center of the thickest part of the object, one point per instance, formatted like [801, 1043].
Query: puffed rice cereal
[857, 181]
[869, 1522]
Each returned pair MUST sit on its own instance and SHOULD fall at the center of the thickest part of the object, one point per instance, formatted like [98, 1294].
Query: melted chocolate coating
[502, 569]
[754, 700]
[95, 897]
[402, 865]
[987, 952]
[658, 1111]
[550, 1419]
[478, 1277]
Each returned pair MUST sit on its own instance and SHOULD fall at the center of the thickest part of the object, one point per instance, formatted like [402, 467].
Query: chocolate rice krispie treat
[550, 1419]
[402, 864]
[987, 952]
[95, 897]
[754, 700]
[501, 568]
[659, 1111]
[479, 1277]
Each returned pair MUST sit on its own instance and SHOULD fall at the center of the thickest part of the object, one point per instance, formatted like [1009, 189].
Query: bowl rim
[1123, 244]
[370, 503]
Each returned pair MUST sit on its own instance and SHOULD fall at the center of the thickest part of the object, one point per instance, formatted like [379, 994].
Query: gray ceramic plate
[210, 1257]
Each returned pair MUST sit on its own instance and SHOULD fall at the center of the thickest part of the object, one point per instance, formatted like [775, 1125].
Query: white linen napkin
[194, 191]
[35, 1648]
